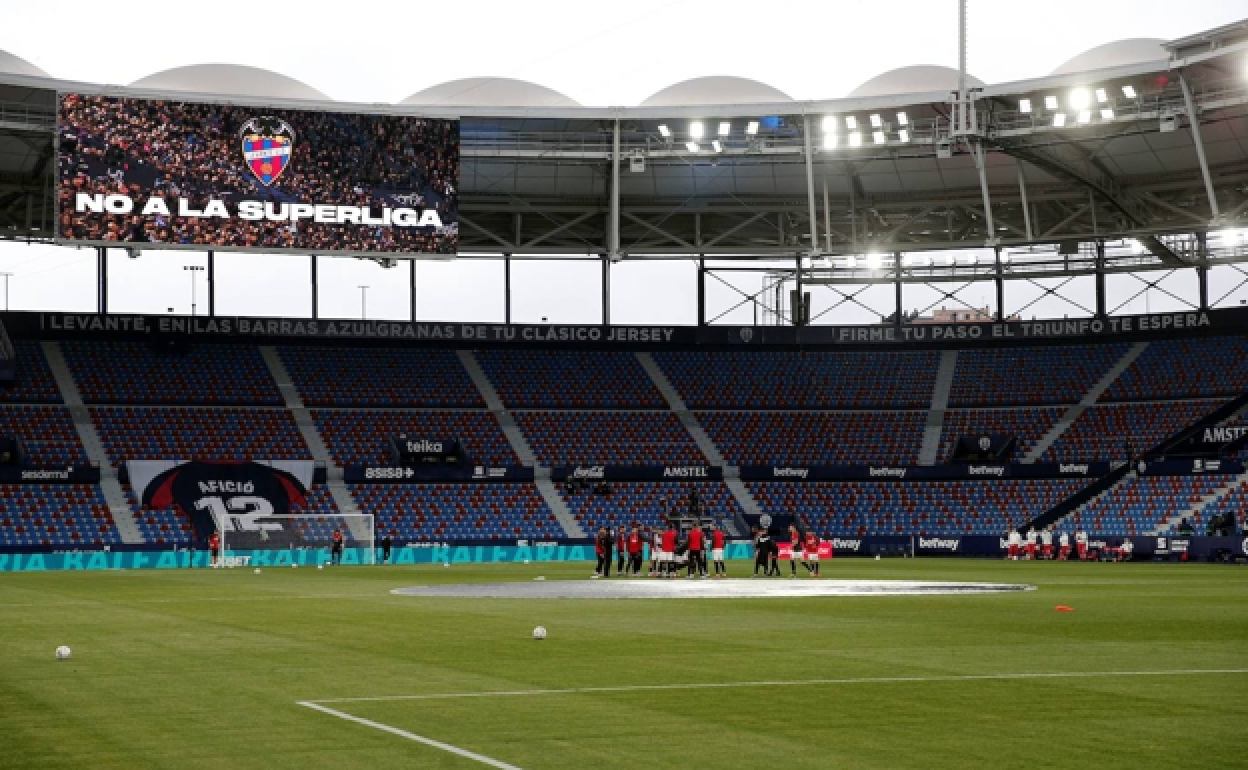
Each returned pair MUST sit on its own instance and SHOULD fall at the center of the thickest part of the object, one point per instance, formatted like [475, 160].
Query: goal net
[301, 539]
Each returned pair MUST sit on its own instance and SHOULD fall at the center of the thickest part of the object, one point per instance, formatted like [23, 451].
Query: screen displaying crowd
[190, 155]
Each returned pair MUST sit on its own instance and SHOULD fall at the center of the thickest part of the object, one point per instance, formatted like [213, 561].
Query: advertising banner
[970, 471]
[67, 474]
[592, 473]
[168, 173]
[369, 474]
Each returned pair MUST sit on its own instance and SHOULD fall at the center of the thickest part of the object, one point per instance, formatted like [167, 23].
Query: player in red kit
[717, 551]
[635, 544]
[667, 559]
[214, 547]
[812, 553]
[697, 557]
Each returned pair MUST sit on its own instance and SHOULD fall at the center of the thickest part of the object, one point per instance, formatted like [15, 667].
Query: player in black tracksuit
[762, 551]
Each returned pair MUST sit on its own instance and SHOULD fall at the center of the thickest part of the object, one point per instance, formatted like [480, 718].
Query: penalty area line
[465, 753]
[777, 683]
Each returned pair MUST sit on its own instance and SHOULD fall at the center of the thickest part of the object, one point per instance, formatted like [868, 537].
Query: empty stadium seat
[400, 377]
[361, 437]
[55, 515]
[133, 373]
[1196, 368]
[1103, 431]
[816, 438]
[440, 512]
[645, 502]
[34, 382]
[609, 438]
[536, 379]
[1056, 374]
[47, 433]
[137, 433]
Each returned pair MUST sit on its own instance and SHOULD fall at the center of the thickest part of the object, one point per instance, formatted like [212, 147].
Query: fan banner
[212, 492]
[183, 174]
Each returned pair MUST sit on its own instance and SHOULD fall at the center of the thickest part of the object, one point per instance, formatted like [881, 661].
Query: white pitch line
[777, 683]
[465, 753]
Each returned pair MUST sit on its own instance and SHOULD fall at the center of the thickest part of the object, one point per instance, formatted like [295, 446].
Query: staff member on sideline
[385, 548]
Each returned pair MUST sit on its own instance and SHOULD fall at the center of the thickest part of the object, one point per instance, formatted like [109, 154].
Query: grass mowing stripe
[779, 683]
[465, 753]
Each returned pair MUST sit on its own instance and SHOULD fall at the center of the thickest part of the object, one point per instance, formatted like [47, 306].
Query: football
[539, 633]
[257, 570]
[63, 652]
[320, 566]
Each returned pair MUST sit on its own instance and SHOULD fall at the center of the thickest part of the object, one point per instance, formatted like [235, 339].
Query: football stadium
[901, 429]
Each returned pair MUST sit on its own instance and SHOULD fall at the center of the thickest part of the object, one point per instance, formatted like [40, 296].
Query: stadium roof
[498, 92]
[16, 65]
[924, 78]
[1101, 151]
[715, 90]
[229, 79]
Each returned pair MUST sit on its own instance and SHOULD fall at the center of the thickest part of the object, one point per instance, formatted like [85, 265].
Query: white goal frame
[359, 530]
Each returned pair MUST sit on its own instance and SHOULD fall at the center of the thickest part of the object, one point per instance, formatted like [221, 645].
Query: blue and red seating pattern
[1139, 505]
[133, 373]
[360, 437]
[936, 508]
[1022, 376]
[609, 438]
[47, 433]
[644, 502]
[1103, 431]
[1195, 368]
[64, 515]
[440, 512]
[542, 379]
[137, 433]
[398, 377]
[810, 380]
[173, 527]
[816, 438]
[34, 382]
[1028, 425]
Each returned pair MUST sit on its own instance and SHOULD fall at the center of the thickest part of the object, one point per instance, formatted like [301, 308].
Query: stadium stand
[135, 433]
[1028, 425]
[34, 383]
[1195, 368]
[438, 512]
[1139, 505]
[816, 438]
[134, 373]
[811, 380]
[1103, 431]
[47, 433]
[1026, 376]
[545, 379]
[173, 527]
[60, 515]
[609, 438]
[380, 377]
[642, 502]
[360, 437]
[936, 508]
[1234, 502]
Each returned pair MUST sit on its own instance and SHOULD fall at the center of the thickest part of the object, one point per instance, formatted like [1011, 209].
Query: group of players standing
[669, 551]
[1034, 545]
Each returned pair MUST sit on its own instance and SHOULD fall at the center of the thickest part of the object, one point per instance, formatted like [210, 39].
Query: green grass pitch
[206, 669]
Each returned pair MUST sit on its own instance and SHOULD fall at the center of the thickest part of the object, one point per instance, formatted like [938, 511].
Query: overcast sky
[596, 53]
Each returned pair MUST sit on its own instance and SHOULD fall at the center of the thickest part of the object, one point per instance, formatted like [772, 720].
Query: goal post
[300, 539]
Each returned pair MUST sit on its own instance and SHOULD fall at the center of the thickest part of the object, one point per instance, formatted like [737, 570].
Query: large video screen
[141, 171]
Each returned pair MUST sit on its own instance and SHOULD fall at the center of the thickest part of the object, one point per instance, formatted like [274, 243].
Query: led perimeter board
[154, 173]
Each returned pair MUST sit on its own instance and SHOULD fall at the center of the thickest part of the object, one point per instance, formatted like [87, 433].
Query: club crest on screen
[268, 144]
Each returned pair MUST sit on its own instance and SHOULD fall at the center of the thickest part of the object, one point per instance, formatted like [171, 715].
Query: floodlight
[1079, 98]
[875, 261]
[725, 128]
[1101, 96]
[855, 139]
[664, 131]
[829, 124]
[1005, 257]
[903, 119]
[851, 122]
[1085, 116]
[696, 129]
[1059, 120]
[1024, 106]
[691, 146]
[751, 128]
[1107, 114]
[951, 260]
[716, 146]
[879, 137]
[1050, 102]
[851, 261]
[903, 135]
[829, 141]
[877, 121]
[1128, 91]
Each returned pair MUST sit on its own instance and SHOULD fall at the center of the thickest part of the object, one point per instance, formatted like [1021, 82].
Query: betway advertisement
[169, 173]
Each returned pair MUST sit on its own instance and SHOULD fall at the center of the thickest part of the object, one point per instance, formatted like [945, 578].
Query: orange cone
[1064, 608]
